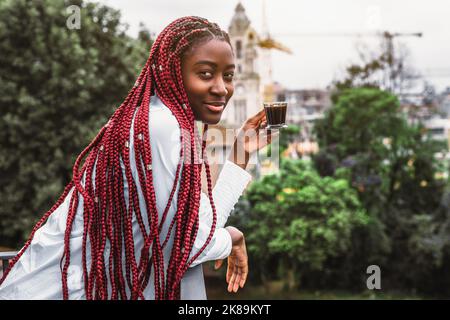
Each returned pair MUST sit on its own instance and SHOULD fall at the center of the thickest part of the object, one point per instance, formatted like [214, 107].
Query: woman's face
[207, 72]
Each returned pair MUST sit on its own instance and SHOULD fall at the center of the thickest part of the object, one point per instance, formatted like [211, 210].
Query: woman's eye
[209, 75]
[206, 73]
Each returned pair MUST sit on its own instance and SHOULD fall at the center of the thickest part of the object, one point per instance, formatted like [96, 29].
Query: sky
[318, 59]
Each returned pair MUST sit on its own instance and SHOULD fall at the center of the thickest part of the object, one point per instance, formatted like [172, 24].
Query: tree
[299, 218]
[383, 68]
[394, 169]
[58, 87]
[365, 131]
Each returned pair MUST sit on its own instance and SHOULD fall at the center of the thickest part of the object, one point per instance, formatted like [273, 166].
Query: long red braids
[106, 216]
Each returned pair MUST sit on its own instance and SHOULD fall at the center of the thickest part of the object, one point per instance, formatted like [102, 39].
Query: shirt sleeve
[165, 143]
[229, 187]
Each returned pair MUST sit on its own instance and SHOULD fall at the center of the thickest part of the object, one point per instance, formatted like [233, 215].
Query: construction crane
[270, 43]
[387, 36]
[266, 41]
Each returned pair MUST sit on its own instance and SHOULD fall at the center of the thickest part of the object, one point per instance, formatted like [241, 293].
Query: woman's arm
[233, 178]
[229, 187]
[165, 143]
[251, 137]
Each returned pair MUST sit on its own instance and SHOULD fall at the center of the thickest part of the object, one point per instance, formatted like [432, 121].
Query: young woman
[133, 222]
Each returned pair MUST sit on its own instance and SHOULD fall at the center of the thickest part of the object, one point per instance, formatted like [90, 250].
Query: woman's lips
[215, 108]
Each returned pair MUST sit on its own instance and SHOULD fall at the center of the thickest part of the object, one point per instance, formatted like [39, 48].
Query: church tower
[247, 97]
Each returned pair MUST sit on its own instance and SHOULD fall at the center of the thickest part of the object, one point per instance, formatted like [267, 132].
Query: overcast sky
[317, 59]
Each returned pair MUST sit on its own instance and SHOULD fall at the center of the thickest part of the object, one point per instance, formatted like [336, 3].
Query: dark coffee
[276, 114]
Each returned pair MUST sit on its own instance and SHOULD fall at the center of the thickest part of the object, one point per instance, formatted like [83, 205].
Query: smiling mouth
[215, 107]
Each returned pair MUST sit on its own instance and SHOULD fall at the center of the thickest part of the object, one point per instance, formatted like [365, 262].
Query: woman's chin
[211, 120]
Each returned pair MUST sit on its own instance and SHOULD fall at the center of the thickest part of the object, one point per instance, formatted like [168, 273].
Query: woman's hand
[237, 261]
[251, 137]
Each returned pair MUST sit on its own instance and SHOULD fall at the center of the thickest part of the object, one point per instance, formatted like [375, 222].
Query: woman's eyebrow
[213, 64]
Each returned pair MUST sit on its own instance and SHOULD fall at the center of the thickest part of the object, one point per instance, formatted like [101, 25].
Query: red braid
[106, 217]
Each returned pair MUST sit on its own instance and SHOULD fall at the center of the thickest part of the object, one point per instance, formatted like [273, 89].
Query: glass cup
[275, 114]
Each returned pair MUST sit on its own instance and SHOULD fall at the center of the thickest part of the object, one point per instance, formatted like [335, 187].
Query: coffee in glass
[275, 114]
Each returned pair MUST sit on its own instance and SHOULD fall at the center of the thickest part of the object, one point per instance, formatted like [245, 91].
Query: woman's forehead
[214, 51]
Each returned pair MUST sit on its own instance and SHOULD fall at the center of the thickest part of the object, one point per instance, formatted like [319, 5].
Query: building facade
[252, 73]
[305, 107]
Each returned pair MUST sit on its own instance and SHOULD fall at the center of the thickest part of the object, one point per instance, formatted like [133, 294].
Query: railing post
[5, 257]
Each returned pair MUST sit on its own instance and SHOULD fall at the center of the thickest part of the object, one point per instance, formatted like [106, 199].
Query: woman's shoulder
[162, 122]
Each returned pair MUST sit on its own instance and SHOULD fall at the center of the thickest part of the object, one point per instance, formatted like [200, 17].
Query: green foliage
[300, 218]
[392, 165]
[58, 87]
[366, 132]
[374, 195]
[382, 68]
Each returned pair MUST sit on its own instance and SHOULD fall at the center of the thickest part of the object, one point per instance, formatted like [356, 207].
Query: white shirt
[37, 273]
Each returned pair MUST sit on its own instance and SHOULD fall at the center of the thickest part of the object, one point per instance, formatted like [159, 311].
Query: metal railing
[5, 257]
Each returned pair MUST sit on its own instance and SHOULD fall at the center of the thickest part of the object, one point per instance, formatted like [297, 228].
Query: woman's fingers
[259, 115]
[242, 282]
[231, 283]
[237, 280]
[218, 264]
[263, 124]
[229, 271]
[243, 277]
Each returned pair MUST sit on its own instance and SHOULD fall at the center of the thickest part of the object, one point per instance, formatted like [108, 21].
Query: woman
[133, 222]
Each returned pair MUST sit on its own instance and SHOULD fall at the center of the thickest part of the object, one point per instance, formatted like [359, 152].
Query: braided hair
[105, 215]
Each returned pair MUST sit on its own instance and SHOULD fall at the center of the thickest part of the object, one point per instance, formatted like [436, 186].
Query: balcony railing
[5, 257]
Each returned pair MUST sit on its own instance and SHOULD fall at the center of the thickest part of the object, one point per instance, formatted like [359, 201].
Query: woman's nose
[219, 88]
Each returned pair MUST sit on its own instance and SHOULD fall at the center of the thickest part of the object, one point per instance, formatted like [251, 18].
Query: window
[238, 49]
[240, 89]
[437, 131]
[281, 97]
[292, 99]
[240, 111]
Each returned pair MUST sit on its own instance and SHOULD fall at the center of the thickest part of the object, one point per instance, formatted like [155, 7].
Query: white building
[305, 107]
[253, 70]
[438, 128]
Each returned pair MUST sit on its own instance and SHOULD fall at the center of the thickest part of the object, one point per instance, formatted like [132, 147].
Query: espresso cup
[275, 114]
